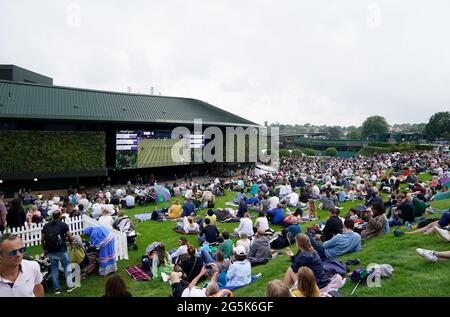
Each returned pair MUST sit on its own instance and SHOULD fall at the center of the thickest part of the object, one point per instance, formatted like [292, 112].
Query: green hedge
[380, 144]
[402, 147]
[51, 152]
[424, 147]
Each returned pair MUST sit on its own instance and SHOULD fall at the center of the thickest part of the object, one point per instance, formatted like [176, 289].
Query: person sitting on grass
[403, 212]
[260, 251]
[276, 216]
[182, 288]
[212, 217]
[333, 226]
[192, 264]
[340, 244]
[106, 220]
[208, 233]
[443, 222]
[434, 256]
[226, 245]
[276, 288]
[116, 287]
[182, 249]
[161, 262]
[244, 241]
[261, 222]
[188, 208]
[174, 211]
[190, 226]
[294, 228]
[376, 222]
[306, 256]
[306, 284]
[297, 215]
[242, 209]
[240, 272]
[239, 197]
[246, 225]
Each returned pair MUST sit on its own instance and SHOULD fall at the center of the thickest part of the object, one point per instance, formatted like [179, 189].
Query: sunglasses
[14, 252]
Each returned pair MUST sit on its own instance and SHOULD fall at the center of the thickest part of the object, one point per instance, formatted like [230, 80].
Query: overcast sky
[291, 61]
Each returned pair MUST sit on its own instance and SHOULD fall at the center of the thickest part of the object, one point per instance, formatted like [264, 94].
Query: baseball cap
[240, 250]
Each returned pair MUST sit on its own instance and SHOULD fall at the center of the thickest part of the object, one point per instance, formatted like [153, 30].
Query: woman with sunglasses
[18, 277]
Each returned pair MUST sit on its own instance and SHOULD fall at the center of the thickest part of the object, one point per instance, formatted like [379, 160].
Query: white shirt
[106, 221]
[273, 201]
[245, 244]
[56, 200]
[194, 292]
[86, 204]
[110, 208]
[315, 190]
[29, 276]
[246, 226]
[96, 210]
[129, 200]
[293, 199]
[262, 223]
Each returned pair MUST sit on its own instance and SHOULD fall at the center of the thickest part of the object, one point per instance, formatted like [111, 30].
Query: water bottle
[408, 226]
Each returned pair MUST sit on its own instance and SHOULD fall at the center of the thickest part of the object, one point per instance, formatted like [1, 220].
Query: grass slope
[413, 276]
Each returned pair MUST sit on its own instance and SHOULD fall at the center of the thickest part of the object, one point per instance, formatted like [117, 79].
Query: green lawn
[412, 275]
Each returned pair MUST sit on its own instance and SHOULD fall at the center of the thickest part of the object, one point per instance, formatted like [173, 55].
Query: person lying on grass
[342, 243]
[443, 222]
[306, 256]
[434, 256]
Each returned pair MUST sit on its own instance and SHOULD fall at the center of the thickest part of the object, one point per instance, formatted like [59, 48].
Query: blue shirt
[313, 261]
[294, 229]
[238, 197]
[188, 209]
[277, 215]
[342, 243]
[254, 189]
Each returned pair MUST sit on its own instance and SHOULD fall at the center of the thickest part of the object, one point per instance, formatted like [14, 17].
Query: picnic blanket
[231, 203]
[144, 216]
[232, 288]
[136, 273]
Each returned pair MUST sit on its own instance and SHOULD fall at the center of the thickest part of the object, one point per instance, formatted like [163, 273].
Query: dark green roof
[33, 101]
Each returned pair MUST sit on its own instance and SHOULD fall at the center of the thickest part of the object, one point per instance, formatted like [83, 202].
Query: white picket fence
[31, 234]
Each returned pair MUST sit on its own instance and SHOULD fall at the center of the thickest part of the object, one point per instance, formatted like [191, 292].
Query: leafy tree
[374, 125]
[334, 132]
[354, 135]
[439, 125]
[331, 151]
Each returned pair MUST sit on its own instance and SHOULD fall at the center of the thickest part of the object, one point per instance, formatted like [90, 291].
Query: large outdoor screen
[143, 149]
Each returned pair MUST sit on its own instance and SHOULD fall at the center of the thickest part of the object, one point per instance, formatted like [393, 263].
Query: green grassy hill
[413, 276]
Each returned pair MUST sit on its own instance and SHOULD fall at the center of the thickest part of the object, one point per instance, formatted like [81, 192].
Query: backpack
[53, 239]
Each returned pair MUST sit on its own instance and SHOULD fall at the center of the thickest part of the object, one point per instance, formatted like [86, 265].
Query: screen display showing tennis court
[153, 148]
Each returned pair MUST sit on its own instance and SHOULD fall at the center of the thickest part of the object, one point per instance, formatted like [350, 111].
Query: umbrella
[160, 193]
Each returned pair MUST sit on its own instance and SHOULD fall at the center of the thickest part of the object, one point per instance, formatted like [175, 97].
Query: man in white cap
[240, 272]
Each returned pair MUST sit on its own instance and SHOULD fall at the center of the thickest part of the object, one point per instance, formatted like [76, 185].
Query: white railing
[31, 235]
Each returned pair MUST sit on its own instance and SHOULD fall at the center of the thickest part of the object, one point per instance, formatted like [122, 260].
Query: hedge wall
[402, 147]
[51, 152]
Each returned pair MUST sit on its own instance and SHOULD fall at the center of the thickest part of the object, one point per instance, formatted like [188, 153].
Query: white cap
[240, 250]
